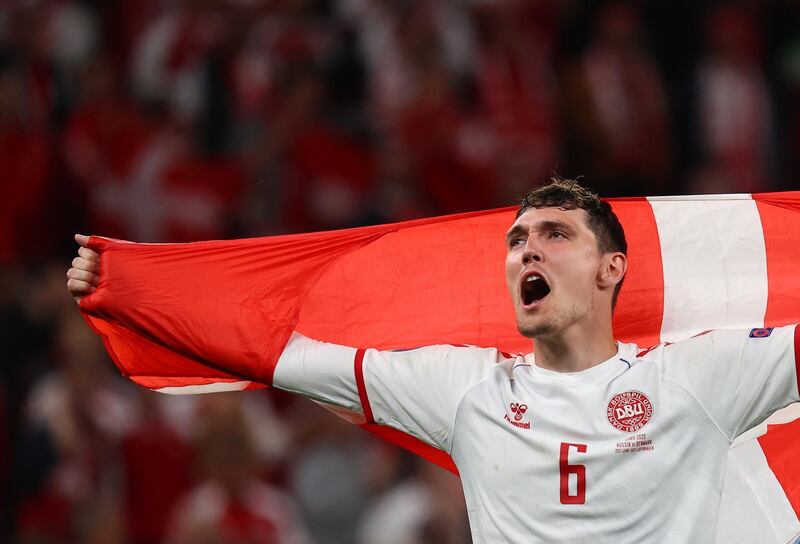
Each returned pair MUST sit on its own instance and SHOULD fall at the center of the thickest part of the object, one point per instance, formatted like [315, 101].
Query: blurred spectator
[429, 130]
[331, 175]
[331, 472]
[616, 110]
[230, 504]
[25, 158]
[156, 464]
[419, 55]
[427, 508]
[517, 84]
[74, 33]
[397, 36]
[781, 61]
[69, 457]
[734, 109]
[396, 197]
[143, 178]
[166, 192]
[169, 57]
[34, 41]
[170, 434]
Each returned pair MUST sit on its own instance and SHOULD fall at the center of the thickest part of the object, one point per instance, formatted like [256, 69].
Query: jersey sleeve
[739, 377]
[416, 391]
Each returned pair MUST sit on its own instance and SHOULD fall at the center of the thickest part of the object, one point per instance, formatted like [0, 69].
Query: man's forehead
[575, 217]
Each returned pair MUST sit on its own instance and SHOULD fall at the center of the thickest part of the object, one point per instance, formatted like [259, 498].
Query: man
[598, 441]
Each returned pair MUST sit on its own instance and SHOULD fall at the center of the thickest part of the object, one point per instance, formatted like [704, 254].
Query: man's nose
[531, 254]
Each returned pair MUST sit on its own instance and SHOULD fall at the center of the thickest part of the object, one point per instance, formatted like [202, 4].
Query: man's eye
[516, 241]
[557, 234]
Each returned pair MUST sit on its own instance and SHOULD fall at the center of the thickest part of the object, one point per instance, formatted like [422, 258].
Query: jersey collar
[615, 365]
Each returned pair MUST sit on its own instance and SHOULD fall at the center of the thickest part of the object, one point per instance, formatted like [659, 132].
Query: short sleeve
[320, 371]
[416, 391]
[739, 377]
[419, 391]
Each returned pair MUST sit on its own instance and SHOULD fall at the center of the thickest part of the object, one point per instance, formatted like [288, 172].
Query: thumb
[98, 244]
[82, 240]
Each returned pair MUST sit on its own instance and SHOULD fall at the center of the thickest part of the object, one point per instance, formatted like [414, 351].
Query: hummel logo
[518, 410]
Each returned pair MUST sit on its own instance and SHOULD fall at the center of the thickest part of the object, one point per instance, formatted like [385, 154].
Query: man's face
[552, 267]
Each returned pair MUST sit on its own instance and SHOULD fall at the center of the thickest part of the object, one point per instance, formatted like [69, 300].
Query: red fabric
[412, 444]
[175, 315]
[779, 212]
[640, 306]
[781, 447]
[150, 297]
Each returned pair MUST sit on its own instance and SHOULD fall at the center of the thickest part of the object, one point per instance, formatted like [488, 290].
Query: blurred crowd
[179, 120]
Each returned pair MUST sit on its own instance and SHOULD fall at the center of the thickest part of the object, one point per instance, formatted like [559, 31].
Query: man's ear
[614, 267]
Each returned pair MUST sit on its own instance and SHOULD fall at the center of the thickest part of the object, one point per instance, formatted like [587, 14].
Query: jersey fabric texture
[634, 447]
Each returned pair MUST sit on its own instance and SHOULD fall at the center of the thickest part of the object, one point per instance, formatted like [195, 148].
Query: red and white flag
[215, 316]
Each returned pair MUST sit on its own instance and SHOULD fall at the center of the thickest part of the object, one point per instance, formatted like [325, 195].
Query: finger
[83, 275]
[87, 253]
[82, 240]
[79, 287]
[85, 264]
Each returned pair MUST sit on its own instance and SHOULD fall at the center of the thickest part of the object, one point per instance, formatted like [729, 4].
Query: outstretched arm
[738, 376]
[414, 391]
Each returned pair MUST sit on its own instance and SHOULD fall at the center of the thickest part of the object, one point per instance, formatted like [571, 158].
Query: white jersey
[631, 450]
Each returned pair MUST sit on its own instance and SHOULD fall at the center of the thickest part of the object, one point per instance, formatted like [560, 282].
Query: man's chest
[585, 447]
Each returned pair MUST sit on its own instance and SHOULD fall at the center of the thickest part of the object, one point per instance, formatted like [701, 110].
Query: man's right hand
[85, 272]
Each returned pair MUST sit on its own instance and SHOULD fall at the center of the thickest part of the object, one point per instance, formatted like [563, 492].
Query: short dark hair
[568, 194]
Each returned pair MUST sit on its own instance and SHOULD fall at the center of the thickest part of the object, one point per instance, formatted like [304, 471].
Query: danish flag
[695, 263]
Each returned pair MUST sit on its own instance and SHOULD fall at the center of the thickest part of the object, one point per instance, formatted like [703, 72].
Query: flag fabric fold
[215, 316]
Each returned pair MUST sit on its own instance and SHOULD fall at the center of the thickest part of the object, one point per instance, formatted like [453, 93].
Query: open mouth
[534, 289]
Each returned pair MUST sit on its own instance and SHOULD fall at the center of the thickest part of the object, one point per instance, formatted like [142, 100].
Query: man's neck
[575, 349]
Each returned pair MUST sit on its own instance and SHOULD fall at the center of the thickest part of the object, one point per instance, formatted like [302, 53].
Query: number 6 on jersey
[578, 470]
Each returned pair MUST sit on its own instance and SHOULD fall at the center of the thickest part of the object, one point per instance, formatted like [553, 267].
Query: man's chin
[534, 330]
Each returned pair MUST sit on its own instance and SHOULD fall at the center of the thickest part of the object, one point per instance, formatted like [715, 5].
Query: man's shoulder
[456, 351]
[690, 342]
[705, 344]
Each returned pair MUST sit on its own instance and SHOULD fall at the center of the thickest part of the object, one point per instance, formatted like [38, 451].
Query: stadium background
[169, 120]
